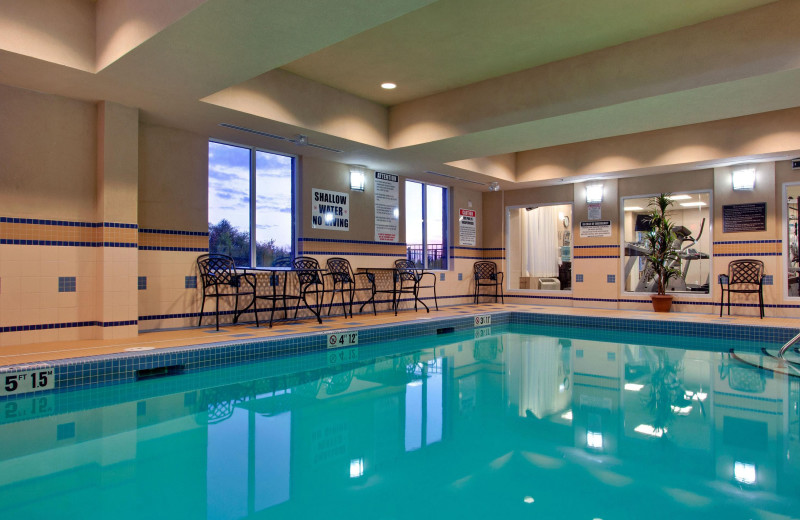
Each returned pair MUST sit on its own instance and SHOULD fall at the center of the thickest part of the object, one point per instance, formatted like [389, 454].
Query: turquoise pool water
[521, 422]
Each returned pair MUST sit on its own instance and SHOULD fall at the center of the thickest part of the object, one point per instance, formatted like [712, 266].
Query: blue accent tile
[142, 283]
[611, 356]
[611, 278]
[190, 282]
[441, 277]
[460, 276]
[67, 284]
[578, 278]
[768, 279]
[65, 431]
[579, 353]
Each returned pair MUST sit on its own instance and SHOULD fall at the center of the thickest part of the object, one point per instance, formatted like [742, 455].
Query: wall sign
[596, 228]
[737, 218]
[27, 381]
[466, 227]
[342, 339]
[594, 211]
[330, 210]
[387, 207]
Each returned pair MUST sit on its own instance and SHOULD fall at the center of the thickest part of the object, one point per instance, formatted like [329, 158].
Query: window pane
[414, 222]
[540, 248]
[273, 208]
[435, 227]
[690, 215]
[229, 201]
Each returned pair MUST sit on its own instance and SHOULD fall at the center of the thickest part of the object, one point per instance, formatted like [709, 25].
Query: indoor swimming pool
[512, 421]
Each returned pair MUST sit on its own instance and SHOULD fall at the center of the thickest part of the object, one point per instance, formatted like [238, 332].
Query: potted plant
[662, 255]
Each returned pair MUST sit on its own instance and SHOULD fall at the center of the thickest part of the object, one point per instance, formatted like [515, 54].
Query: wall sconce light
[594, 193]
[357, 177]
[744, 179]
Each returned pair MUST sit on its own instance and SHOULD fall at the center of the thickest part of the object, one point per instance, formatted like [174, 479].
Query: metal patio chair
[487, 275]
[341, 274]
[220, 279]
[744, 276]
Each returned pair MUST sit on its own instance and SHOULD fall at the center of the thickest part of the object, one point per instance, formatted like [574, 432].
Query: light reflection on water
[507, 426]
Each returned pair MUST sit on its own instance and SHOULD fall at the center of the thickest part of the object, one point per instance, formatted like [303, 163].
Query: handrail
[788, 344]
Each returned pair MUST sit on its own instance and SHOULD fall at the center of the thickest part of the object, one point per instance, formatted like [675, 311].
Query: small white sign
[467, 227]
[342, 356]
[342, 339]
[28, 381]
[483, 332]
[483, 320]
[594, 210]
[596, 228]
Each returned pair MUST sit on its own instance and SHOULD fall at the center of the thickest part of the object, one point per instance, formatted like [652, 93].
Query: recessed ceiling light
[388, 86]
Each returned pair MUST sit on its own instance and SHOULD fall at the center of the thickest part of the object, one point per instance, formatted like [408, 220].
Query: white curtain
[541, 244]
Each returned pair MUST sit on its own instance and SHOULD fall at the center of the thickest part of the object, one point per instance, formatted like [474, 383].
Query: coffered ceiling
[478, 81]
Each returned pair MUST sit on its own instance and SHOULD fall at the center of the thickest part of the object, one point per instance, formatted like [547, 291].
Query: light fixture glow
[744, 473]
[356, 468]
[528, 500]
[357, 177]
[693, 204]
[388, 85]
[634, 208]
[567, 416]
[646, 429]
[594, 440]
[396, 212]
[677, 410]
[594, 193]
[680, 197]
[328, 218]
[744, 179]
[633, 387]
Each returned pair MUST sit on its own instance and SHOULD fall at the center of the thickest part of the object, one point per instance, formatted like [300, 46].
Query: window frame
[708, 229]
[785, 253]
[570, 228]
[253, 195]
[446, 238]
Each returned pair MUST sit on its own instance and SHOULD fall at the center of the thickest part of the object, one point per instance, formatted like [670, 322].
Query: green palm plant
[660, 239]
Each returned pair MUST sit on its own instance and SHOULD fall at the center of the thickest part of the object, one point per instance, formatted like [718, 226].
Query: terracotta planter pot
[661, 302]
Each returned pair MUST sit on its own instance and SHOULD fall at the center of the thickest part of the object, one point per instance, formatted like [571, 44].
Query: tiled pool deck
[97, 362]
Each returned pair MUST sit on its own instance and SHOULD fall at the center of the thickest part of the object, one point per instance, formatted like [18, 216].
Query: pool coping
[93, 371]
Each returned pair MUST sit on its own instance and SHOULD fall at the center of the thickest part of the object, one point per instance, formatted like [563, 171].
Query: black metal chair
[744, 276]
[309, 281]
[409, 280]
[341, 274]
[487, 275]
[220, 279]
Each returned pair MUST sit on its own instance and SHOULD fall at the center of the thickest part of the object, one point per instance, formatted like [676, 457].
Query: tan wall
[49, 150]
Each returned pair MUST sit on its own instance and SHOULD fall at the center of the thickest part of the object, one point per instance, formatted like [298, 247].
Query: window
[540, 247]
[690, 214]
[250, 204]
[791, 196]
[426, 225]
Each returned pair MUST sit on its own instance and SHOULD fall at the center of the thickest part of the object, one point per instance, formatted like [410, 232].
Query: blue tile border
[72, 374]
[174, 232]
[67, 223]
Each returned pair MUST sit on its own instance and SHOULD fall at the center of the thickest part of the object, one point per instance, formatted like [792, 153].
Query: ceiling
[478, 82]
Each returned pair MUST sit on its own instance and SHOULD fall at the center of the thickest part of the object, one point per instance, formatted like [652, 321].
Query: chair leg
[435, 299]
[729, 302]
[255, 308]
[721, 300]
[217, 313]
[352, 296]
[344, 308]
[202, 306]
[502, 299]
[761, 302]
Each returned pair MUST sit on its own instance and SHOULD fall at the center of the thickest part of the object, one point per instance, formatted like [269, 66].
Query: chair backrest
[747, 271]
[405, 269]
[306, 262]
[485, 270]
[340, 269]
[216, 269]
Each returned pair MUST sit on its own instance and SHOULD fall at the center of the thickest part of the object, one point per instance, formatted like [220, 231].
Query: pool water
[513, 422]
